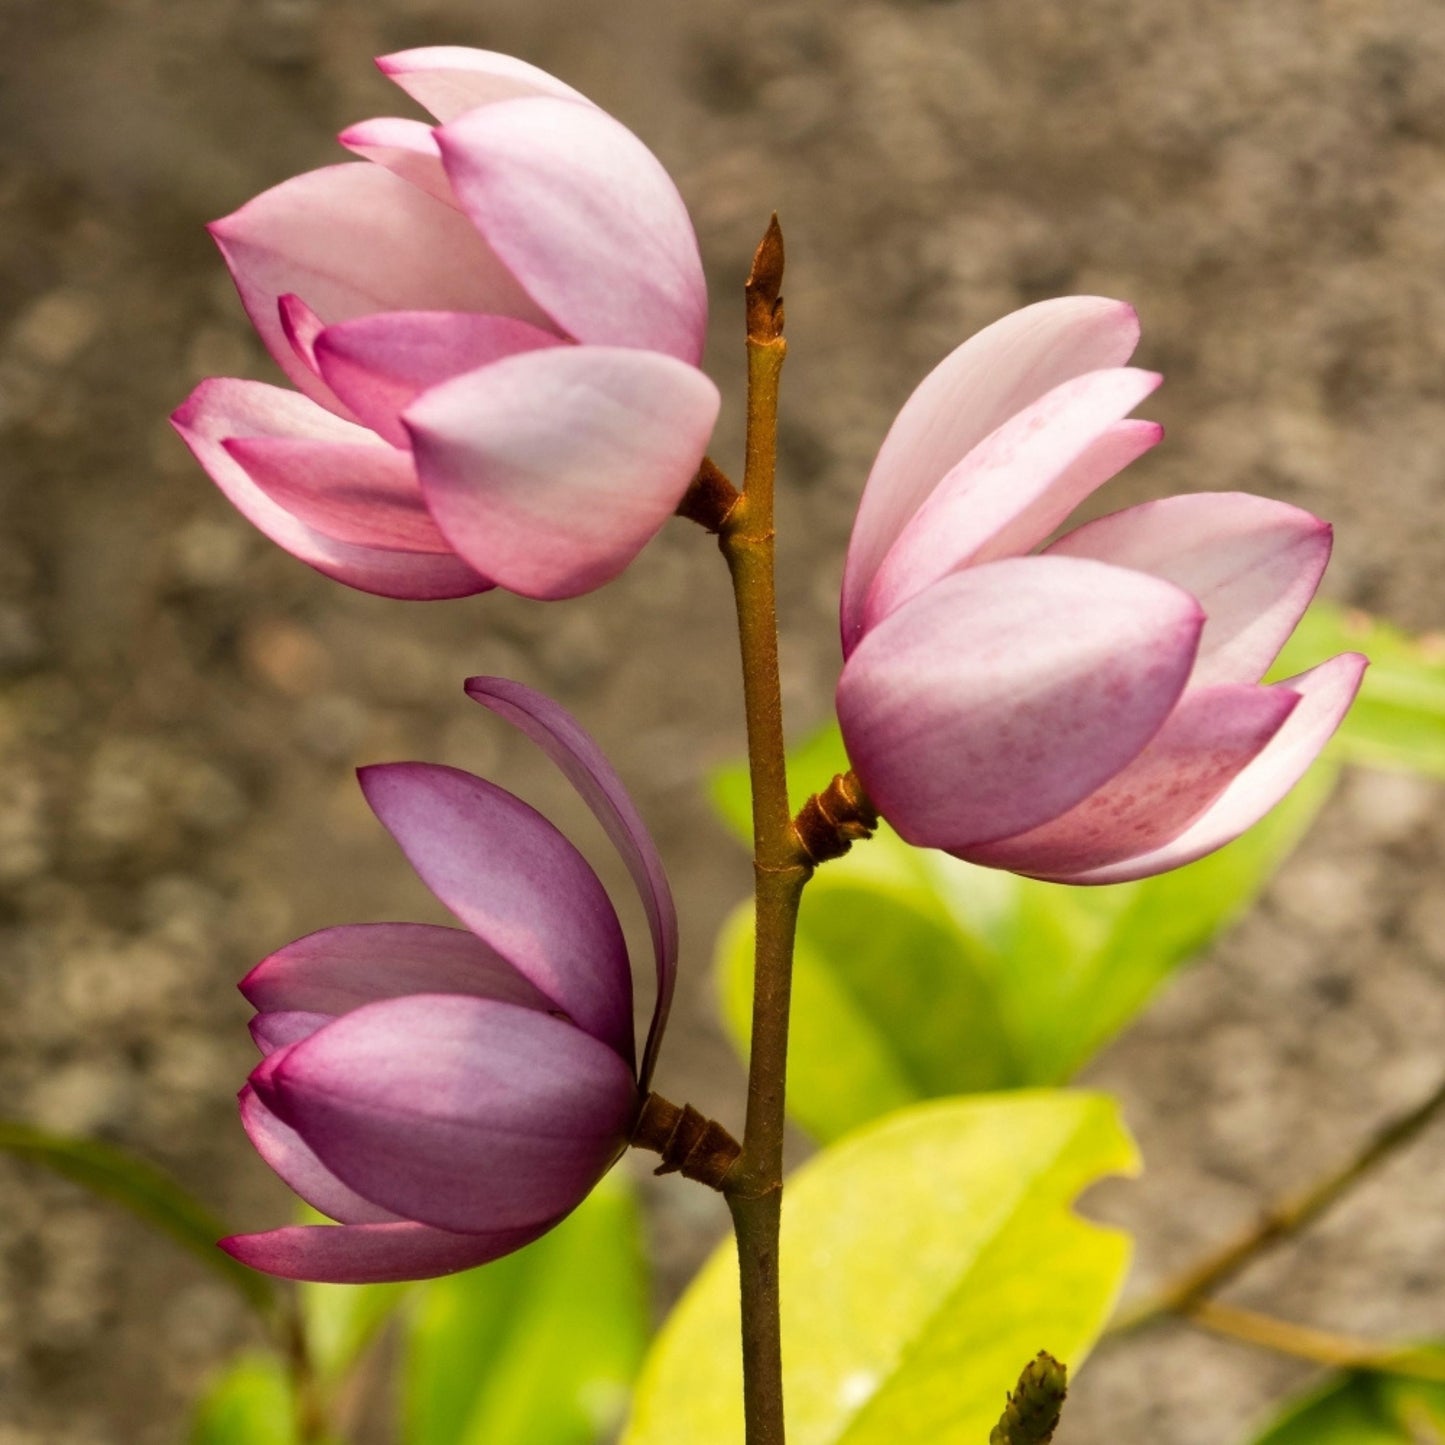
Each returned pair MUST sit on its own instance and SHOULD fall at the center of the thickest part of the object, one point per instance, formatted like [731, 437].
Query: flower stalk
[781, 868]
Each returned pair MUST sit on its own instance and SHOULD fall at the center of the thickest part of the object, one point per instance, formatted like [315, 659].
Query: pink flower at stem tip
[493, 325]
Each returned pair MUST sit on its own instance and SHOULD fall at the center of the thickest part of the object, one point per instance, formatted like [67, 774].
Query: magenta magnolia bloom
[450, 1095]
[494, 325]
[1092, 713]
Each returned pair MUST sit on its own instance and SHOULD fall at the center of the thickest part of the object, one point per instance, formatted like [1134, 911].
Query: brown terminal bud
[765, 286]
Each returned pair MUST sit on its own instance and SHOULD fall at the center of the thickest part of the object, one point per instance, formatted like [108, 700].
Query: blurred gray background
[182, 704]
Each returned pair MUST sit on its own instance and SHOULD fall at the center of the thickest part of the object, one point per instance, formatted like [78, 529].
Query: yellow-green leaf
[922, 1259]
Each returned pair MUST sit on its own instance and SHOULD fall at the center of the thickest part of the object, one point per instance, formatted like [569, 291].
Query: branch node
[690, 1144]
[830, 822]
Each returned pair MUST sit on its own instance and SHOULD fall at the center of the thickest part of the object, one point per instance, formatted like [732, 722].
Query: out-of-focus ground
[182, 704]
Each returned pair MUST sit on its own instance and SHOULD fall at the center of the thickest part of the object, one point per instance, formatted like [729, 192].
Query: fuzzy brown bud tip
[1032, 1413]
[765, 285]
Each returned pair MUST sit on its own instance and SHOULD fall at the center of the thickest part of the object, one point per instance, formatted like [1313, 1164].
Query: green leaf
[250, 1404]
[1398, 720]
[917, 976]
[146, 1191]
[342, 1320]
[1364, 1408]
[541, 1346]
[922, 1259]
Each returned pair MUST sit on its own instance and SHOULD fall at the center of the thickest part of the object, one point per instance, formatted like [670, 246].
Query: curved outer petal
[338, 969]
[279, 1030]
[550, 471]
[1002, 369]
[461, 1113]
[1253, 564]
[373, 1253]
[1209, 739]
[353, 239]
[378, 365]
[563, 739]
[1017, 484]
[360, 492]
[1326, 693]
[297, 1165]
[585, 217]
[450, 79]
[223, 409]
[1007, 693]
[407, 148]
[517, 883]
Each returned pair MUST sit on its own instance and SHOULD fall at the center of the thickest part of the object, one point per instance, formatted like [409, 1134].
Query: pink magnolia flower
[1093, 712]
[493, 325]
[448, 1095]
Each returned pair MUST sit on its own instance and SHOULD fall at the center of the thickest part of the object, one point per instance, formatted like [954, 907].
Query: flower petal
[585, 217]
[297, 1165]
[224, 409]
[450, 79]
[377, 365]
[550, 471]
[372, 1253]
[339, 969]
[407, 148]
[353, 239]
[1018, 483]
[1208, 740]
[1006, 693]
[360, 492]
[1002, 369]
[1253, 564]
[563, 739]
[1327, 692]
[301, 326]
[284, 1027]
[461, 1113]
[517, 883]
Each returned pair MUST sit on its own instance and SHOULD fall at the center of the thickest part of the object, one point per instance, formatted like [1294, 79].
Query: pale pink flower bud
[1093, 712]
[494, 325]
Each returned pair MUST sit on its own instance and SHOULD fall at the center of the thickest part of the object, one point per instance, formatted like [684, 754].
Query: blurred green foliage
[540, 1347]
[251, 1403]
[918, 976]
[1364, 1407]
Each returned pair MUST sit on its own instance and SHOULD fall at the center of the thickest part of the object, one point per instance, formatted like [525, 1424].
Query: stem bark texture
[755, 1187]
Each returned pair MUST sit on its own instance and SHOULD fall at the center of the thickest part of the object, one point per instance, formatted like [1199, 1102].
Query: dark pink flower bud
[450, 1094]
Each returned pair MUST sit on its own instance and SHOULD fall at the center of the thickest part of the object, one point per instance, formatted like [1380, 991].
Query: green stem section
[1320, 1347]
[1281, 1221]
[755, 1188]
